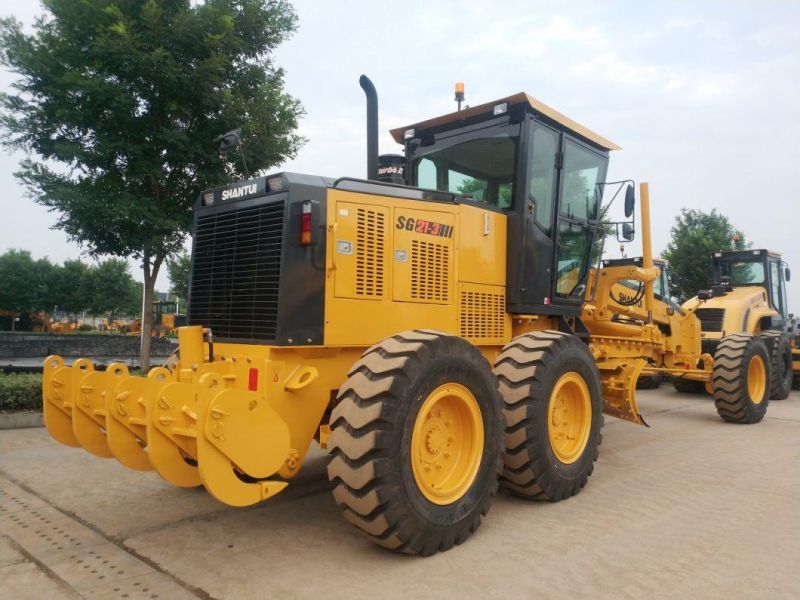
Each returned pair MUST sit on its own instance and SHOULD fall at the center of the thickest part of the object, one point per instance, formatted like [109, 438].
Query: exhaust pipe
[372, 126]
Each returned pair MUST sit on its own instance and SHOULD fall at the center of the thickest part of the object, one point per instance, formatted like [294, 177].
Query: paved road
[690, 508]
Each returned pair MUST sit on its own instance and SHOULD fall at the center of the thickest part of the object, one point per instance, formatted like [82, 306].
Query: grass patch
[20, 391]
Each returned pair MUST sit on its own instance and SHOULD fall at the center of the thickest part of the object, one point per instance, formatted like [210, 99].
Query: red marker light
[252, 380]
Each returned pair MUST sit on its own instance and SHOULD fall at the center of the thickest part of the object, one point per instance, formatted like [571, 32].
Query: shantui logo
[242, 190]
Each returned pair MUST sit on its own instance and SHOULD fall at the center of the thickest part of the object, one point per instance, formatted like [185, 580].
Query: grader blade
[172, 428]
[126, 422]
[240, 441]
[89, 408]
[619, 391]
[57, 405]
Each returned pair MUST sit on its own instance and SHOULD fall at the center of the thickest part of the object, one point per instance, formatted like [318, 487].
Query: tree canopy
[23, 281]
[695, 236]
[178, 271]
[28, 285]
[120, 103]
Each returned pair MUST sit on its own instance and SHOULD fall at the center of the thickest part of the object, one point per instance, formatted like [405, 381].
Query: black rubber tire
[649, 382]
[780, 352]
[370, 441]
[687, 386]
[729, 380]
[527, 369]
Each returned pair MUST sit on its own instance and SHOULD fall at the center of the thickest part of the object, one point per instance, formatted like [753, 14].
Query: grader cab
[432, 336]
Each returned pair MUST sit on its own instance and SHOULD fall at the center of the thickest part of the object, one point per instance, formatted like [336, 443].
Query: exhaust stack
[372, 126]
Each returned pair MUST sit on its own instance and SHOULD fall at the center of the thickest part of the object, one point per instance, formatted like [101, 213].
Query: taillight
[305, 224]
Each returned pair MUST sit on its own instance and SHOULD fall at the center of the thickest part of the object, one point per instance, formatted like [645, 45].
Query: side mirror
[787, 274]
[627, 232]
[230, 140]
[630, 201]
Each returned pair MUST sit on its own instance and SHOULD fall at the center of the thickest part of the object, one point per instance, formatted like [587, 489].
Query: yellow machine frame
[247, 413]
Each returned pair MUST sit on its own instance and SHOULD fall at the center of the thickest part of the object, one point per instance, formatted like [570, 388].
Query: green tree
[131, 304]
[695, 235]
[21, 282]
[121, 101]
[69, 287]
[108, 284]
[178, 270]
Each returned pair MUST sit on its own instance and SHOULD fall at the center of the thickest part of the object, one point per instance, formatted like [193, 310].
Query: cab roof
[740, 254]
[520, 98]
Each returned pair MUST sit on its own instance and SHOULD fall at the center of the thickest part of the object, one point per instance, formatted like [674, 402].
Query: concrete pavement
[691, 508]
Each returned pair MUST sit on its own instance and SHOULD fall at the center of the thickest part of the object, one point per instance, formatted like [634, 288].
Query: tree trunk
[150, 272]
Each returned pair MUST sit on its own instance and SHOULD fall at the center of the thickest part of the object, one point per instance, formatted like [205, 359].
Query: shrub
[20, 391]
[85, 327]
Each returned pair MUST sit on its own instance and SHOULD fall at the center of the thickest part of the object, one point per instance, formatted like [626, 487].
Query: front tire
[416, 442]
[780, 352]
[553, 411]
[741, 378]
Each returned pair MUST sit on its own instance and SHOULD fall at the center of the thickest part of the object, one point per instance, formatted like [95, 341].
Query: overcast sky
[703, 97]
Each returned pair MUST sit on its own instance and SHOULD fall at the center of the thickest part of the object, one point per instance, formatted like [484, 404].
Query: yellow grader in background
[434, 337]
[748, 295]
[631, 293]
[166, 320]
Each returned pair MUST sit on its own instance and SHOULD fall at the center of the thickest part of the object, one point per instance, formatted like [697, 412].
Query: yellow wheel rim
[447, 443]
[569, 417]
[756, 379]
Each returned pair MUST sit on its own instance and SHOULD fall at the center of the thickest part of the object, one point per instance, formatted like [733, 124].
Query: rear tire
[688, 386]
[649, 382]
[530, 370]
[741, 379]
[413, 407]
[780, 352]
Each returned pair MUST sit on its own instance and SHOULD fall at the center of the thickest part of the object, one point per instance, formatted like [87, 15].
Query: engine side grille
[482, 315]
[370, 235]
[430, 271]
[711, 319]
[236, 272]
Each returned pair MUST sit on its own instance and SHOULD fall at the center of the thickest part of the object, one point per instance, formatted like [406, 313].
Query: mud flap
[57, 400]
[172, 428]
[241, 440]
[619, 391]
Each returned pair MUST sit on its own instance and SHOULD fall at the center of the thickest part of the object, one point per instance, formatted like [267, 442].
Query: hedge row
[20, 391]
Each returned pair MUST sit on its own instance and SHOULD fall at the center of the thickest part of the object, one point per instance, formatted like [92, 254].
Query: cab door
[538, 207]
[582, 175]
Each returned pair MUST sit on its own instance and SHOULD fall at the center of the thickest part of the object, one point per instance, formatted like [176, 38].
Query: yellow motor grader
[435, 337]
[748, 295]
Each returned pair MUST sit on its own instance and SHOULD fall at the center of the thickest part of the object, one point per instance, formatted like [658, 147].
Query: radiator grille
[430, 271]
[370, 235]
[710, 318]
[236, 272]
[482, 315]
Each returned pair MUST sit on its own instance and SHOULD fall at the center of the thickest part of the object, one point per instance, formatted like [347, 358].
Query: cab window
[481, 169]
[775, 285]
[543, 176]
[573, 244]
[583, 170]
[743, 272]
